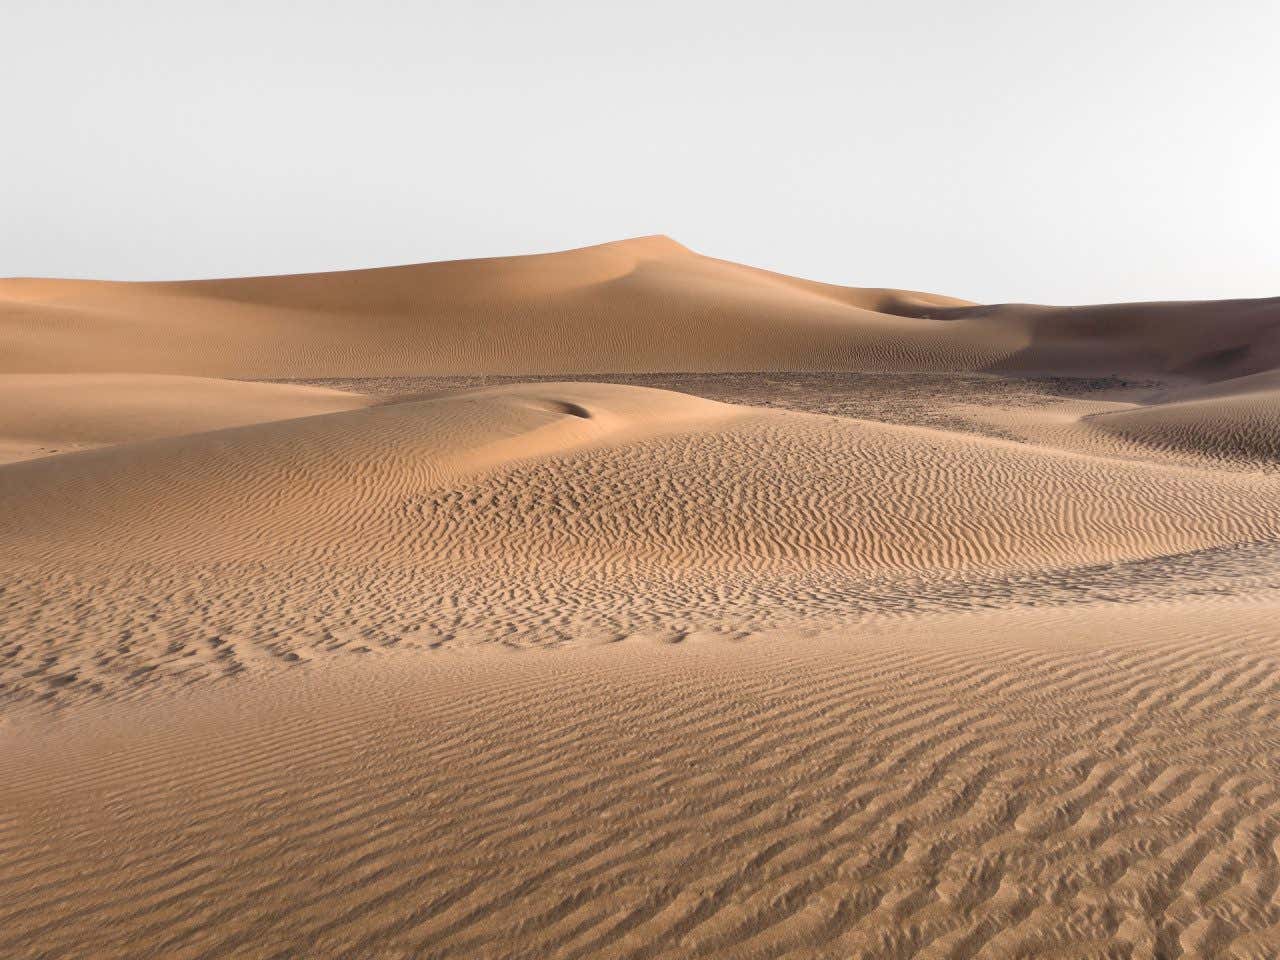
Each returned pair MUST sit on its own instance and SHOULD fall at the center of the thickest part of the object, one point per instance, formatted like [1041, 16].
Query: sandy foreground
[423, 613]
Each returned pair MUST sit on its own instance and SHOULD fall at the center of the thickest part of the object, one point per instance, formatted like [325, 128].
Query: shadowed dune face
[1206, 341]
[636, 305]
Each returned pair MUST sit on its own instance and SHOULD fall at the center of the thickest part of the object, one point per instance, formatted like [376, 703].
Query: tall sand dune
[637, 305]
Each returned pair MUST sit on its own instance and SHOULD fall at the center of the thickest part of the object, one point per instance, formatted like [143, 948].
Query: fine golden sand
[623, 602]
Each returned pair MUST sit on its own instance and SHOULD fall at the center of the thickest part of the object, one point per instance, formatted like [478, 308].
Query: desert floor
[338, 660]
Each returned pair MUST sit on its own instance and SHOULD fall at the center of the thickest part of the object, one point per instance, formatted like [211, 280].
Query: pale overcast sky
[1047, 151]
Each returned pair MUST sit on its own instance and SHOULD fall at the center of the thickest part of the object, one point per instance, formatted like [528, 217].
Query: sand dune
[335, 484]
[1227, 425]
[1209, 340]
[929, 663]
[606, 473]
[636, 305]
[1237, 420]
[551, 511]
[43, 414]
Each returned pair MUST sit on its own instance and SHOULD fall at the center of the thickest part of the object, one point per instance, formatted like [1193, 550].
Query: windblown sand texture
[624, 602]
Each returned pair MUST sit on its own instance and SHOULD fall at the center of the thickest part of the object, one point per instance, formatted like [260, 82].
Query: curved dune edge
[647, 304]
[45, 414]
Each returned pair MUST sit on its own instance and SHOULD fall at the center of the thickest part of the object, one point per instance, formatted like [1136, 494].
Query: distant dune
[909, 627]
[637, 305]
